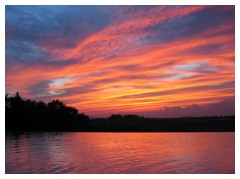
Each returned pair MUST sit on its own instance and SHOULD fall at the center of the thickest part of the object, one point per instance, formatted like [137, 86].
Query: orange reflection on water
[121, 153]
[158, 152]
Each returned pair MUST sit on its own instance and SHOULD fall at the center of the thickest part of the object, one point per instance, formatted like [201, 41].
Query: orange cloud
[115, 74]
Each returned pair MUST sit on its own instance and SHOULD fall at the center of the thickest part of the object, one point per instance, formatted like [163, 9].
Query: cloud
[50, 26]
[123, 58]
[222, 108]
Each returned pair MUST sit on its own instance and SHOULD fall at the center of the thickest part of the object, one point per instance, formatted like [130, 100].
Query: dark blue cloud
[36, 22]
[29, 27]
[24, 51]
[194, 24]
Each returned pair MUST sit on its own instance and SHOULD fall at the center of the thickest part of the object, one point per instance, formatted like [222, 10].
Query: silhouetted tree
[56, 105]
[32, 115]
[116, 116]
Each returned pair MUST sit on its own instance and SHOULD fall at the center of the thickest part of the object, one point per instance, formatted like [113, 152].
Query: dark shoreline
[116, 131]
[55, 116]
[200, 124]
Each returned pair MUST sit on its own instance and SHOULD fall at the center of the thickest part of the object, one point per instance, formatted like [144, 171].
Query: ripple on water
[120, 153]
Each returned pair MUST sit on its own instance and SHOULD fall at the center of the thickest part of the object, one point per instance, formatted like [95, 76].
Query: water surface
[78, 152]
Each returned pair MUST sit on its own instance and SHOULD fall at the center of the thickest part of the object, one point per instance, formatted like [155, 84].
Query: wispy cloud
[129, 59]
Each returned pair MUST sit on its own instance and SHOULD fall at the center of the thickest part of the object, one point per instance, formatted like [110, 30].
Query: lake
[139, 153]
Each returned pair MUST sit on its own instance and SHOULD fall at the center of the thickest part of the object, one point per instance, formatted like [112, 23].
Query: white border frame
[117, 2]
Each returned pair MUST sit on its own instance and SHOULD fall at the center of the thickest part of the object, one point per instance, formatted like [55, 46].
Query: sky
[155, 61]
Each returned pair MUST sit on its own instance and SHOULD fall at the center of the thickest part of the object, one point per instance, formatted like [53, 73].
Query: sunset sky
[156, 61]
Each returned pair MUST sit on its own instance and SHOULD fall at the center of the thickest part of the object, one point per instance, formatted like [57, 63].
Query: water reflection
[120, 153]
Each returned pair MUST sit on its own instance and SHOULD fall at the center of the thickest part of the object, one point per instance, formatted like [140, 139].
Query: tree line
[29, 115]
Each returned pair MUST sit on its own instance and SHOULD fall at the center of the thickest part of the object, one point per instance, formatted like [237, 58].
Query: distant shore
[191, 124]
[183, 124]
